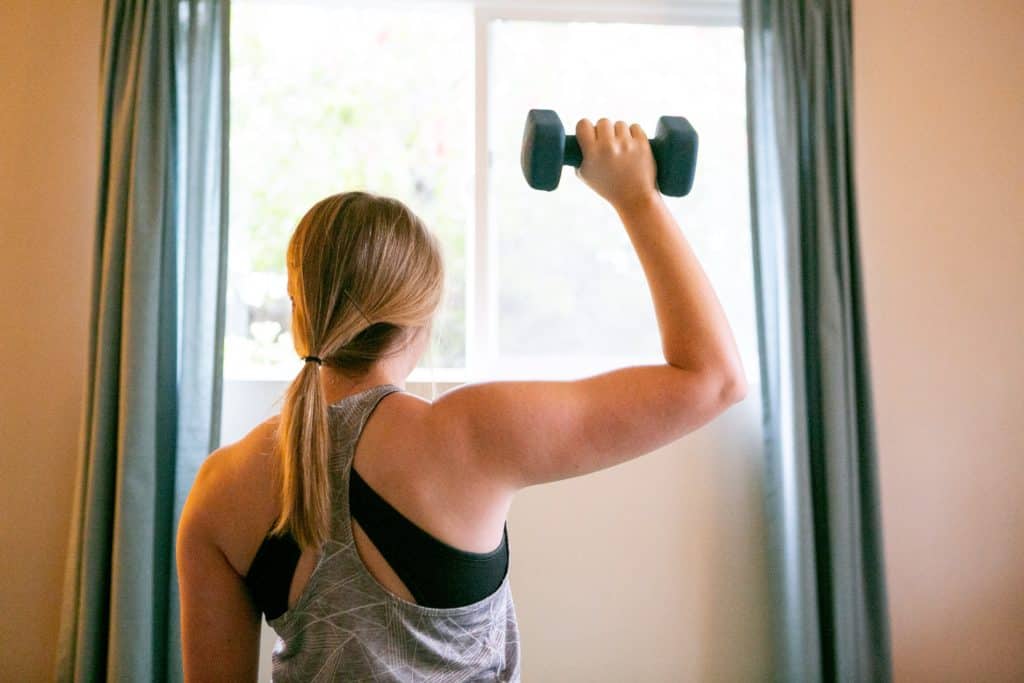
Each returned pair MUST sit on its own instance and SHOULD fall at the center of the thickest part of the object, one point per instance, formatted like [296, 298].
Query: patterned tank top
[346, 626]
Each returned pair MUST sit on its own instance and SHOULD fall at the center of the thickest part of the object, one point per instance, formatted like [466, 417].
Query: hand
[617, 161]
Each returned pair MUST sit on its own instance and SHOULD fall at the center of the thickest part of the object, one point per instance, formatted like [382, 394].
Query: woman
[369, 524]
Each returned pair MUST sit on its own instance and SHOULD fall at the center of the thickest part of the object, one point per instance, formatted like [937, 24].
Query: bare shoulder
[239, 465]
[454, 422]
[232, 500]
[453, 479]
[411, 425]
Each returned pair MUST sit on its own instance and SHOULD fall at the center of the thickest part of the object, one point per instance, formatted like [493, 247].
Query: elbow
[732, 389]
[725, 383]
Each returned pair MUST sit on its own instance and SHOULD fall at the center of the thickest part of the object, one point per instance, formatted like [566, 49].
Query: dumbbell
[546, 148]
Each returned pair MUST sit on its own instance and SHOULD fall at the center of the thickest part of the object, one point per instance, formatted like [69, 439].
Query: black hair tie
[316, 360]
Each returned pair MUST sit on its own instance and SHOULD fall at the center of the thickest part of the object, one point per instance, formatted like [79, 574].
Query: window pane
[326, 99]
[573, 297]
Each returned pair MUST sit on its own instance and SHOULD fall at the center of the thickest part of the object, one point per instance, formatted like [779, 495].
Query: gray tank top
[347, 627]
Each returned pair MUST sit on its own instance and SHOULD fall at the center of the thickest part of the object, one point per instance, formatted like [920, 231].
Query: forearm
[695, 333]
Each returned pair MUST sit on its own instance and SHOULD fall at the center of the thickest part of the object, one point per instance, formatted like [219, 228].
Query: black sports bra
[436, 574]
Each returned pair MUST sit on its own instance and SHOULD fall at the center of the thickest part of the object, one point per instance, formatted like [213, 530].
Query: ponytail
[363, 272]
[303, 444]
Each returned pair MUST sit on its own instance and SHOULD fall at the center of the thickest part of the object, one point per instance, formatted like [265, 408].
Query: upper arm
[220, 626]
[530, 432]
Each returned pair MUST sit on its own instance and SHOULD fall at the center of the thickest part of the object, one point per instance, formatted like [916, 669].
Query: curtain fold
[825, 534]
[152, 402]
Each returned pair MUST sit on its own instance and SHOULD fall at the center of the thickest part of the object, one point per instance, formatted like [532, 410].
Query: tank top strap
[346, 420]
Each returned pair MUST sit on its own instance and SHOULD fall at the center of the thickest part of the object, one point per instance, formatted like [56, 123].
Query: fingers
[585, 135]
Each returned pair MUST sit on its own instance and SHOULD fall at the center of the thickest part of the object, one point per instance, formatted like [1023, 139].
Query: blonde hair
[364, 273]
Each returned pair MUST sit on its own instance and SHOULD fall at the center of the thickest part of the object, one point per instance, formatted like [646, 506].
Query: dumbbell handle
[573, 153]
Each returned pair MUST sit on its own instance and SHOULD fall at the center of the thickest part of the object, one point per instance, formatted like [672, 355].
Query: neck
[337, 385]
[393, 369]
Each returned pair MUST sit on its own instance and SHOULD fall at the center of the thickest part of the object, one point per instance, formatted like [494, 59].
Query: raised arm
[521, 433]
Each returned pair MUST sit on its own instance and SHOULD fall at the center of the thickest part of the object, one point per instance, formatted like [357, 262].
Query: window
[427, 102]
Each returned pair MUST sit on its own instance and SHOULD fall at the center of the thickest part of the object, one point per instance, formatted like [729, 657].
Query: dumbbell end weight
[543, 149]
[546, 148]
[675, 149]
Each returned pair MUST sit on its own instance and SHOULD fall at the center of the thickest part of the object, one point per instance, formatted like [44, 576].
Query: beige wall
[939, 112]
[49, 66]
[940, 108]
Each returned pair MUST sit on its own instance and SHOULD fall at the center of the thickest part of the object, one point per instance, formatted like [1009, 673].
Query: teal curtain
[825, 535]
[152, 404]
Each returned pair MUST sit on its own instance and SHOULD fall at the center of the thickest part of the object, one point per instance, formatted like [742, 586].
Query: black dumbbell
[546, 148]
